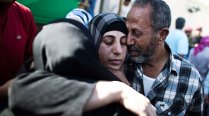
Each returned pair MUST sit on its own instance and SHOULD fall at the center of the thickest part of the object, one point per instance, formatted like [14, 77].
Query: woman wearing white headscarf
[109, 32]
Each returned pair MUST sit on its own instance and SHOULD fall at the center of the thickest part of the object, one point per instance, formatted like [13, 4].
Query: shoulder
[186, 73]
[206, 51]
[184, 67]
[22, 10]
[182, 34]
[203, 55]
[176, 35]
[21, 7]
[23, 15]
[181, 62]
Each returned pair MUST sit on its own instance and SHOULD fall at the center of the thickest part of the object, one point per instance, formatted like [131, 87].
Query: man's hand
[137, 103]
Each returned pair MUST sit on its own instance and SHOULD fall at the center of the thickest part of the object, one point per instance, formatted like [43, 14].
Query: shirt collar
[172, 61]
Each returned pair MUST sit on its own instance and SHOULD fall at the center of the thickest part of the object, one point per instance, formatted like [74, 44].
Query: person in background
[188, 32]
[199, 57]
[198, 35]
[109, 32]
[69, 78]
[17, 31]
[206, 94]
[120, 7]
[171, 83]
[177, 39]
[88, 5]
[125, 7]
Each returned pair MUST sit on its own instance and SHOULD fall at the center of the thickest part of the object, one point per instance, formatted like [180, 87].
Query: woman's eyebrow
[109, 36]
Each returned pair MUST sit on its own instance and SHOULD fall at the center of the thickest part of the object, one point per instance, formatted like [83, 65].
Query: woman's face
[112, 50]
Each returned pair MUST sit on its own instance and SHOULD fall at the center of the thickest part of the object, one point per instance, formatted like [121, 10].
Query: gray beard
[146, 57]
[141, 59]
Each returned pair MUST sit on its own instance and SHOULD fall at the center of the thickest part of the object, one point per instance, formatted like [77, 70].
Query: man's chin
[138, 59]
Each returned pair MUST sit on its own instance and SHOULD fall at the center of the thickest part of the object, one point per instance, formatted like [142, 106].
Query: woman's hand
[109, 92]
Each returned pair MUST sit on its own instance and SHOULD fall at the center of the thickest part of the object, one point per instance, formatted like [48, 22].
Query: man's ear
[162, 34]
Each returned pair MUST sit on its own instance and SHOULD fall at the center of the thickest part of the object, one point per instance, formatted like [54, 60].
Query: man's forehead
[138, 17]
[139, 14]
[139, 10]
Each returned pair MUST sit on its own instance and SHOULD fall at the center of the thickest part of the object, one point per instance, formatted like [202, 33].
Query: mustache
[134, 48]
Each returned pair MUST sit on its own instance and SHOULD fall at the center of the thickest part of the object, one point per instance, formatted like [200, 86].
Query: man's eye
[137, 34]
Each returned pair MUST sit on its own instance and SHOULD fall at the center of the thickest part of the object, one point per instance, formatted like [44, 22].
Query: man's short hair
[180, 22]
[160, 14]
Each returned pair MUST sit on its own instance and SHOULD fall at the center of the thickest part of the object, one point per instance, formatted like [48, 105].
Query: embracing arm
[48, 94]
[45, 93]
[109, 92]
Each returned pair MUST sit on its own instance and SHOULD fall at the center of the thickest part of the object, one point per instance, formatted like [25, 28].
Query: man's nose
[130, 40]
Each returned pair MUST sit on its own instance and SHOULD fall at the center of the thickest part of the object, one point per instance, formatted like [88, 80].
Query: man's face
[142, 41]
[112, 50]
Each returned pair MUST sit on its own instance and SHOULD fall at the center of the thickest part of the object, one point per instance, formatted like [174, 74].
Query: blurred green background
[45, 11]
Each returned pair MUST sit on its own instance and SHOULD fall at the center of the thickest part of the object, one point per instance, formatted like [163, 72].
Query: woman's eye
[108, 40]
[123, 40]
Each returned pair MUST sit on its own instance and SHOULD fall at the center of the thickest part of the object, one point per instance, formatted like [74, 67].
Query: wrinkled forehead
[139, 14]
[139, 17]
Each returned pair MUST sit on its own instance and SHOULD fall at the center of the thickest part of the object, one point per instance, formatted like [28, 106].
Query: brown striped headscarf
[103, 23]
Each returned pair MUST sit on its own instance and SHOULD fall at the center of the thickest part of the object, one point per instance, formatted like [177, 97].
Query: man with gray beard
[170, 82]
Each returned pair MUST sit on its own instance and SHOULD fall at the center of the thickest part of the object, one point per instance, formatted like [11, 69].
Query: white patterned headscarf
[106, 22]
[80, 15]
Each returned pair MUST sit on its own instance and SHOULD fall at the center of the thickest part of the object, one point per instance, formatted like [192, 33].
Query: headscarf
[81, 15]
[103, 23]
[204, 42]
[65, 47]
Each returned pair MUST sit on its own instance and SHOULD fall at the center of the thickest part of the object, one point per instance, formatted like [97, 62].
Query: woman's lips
[115, 61]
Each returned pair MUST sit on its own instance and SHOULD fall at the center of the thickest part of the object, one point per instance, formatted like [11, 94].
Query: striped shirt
[177, 89]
